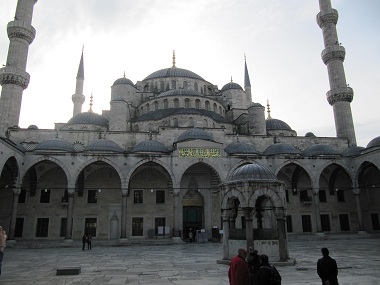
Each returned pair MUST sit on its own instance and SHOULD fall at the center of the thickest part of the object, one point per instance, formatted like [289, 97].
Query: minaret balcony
[12, 75]
[327, 17]
[335, 52]
[20, 29]
[341, 94]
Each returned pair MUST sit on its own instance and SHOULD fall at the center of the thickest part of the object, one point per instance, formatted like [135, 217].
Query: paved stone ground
[189, 264]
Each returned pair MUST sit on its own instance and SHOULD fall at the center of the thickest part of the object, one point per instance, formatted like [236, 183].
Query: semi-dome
[253, 172]
[352, 151]
[150, 146]
[180, 92]
[320, 150]
[32, 127]
[281, 148]
[231, 85]
[89, 118]
[275, 124]
[56, 145]
[103, 145]
[240, 148]
[173, 72]
[309, 135]
[123, 81]
[374, 143]
[195, 134]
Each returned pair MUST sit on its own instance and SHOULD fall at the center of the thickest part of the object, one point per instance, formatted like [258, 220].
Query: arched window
[151, 87]
[220, 110]
[146, 88]
[147, 108]
[162, 86]
[167, 86]
[176, 103]
[175, 122]
[196, 87]
[207, 105]
[155, 105]
[215, 108]
[185, 85]
[166, 104]
[187, 103]
[174, 84]
[197, 104]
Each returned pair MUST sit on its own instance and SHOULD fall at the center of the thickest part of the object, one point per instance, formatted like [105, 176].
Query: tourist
[89, 241]
[3, 239]
[238, 273]
[327, 268]
[84, 241]
[254, 263]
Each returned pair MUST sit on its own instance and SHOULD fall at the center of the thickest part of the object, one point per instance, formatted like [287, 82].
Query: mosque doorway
[192, 220]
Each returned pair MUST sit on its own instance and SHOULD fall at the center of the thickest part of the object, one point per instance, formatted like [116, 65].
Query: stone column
[226, 232]
[12, 226]
[317, 210]
[281, 230]
[124, 214]
[176, 231]
[232, 220]
[70, 209]
[359, 210]
[247, 211]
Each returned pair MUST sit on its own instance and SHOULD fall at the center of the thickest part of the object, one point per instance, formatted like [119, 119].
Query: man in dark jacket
[327, 269]
[264, 276]
[238, 273]
[254, 263]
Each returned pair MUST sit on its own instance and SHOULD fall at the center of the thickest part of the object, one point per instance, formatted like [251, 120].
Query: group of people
[86, 239]
[254, 269]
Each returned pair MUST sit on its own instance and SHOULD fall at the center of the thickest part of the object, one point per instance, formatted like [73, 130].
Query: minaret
[247, 83]
[13, 77]
[340, 95]
[78, 98]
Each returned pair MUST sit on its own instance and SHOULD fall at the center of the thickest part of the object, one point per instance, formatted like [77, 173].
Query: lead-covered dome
[123, 81]
[88, 118]
[231, 85]
[374, 143]
[180, 92]
[253, 172]
[275, 124]
[320, 150]
[150, 146]
[103, 145]
[55, 145]
[352, 151]
[195, 134]
[173, 72]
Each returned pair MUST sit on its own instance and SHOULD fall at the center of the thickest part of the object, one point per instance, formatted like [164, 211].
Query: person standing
[84, 241]
[253, 260]
[89, 242]
[327, 268]
[238, 273]
[3, 239]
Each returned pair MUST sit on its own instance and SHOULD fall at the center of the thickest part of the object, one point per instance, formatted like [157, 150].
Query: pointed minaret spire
[268, 110]
[173, 58]
[340, 95]
[13, 77]
[247, 83]
[78, 98]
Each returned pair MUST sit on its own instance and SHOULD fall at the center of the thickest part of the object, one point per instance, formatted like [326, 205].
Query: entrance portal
[192, 219]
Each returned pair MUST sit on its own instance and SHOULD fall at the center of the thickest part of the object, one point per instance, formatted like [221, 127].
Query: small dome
[352, 151]
[103, 145]
[150, 146]
[32, 127]
[281, 148]
[275, 124]
[253, 172]
[180, 92]
[195, 134]
[241, 148]
[123, 81]
[173, 72]
[309, 135]
[231, 85]
[374, 143]
[320, 149]
[89, 118]
[55, 144]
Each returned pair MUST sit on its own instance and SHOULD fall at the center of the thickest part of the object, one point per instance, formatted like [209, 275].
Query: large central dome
[173, 72]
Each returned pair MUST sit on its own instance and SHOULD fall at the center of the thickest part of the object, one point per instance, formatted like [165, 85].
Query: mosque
[174, 154]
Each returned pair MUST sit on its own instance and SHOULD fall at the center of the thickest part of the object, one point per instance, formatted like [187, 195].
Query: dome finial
[173, 58]
[91, 97]
[231, 79]
[124, 74]
[268, 110]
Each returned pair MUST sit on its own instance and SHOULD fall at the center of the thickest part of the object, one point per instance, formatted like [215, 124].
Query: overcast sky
[281, 40]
